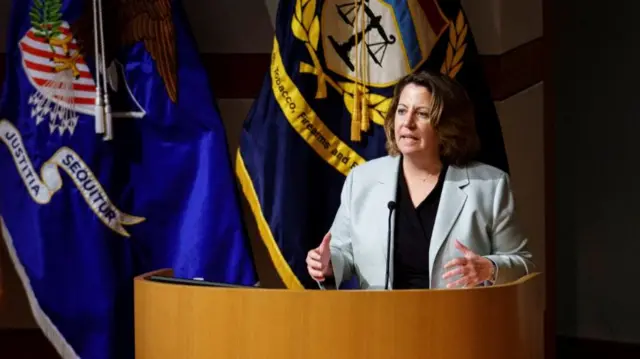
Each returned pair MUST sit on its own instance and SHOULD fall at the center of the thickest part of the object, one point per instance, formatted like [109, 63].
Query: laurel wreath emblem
[457, 46]
[305, 26]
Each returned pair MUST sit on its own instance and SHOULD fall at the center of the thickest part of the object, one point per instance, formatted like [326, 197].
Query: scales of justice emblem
[372, 44]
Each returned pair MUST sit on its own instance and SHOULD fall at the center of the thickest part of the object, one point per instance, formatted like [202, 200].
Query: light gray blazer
[476, 207]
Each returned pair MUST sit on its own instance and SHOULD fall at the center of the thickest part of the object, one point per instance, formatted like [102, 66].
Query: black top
[413, 227]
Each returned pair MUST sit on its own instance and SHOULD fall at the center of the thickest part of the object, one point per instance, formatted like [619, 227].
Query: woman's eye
[401, 111]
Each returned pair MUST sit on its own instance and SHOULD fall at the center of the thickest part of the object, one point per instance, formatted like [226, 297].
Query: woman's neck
[422, 167]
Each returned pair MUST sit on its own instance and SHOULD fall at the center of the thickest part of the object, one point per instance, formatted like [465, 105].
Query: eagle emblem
[127, 22]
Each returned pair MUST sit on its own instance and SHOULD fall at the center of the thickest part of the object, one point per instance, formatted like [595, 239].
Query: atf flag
[112, 165]
[321, 110]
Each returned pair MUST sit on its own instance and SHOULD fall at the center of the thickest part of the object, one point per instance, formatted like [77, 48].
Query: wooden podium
[176, 321]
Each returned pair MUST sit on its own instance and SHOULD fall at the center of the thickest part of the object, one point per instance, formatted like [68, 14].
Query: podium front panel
[191, 322]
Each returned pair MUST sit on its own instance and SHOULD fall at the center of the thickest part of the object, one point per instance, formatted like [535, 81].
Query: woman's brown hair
[451, 115]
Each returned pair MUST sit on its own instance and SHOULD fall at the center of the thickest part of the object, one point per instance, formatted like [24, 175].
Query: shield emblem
[45, 65]
[65, 86]
[377, 42]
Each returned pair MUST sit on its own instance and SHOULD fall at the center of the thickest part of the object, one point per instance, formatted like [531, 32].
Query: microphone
[392, 206]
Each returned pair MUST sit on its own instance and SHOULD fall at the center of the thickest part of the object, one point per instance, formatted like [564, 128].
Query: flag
[96, 192]
[320, 112]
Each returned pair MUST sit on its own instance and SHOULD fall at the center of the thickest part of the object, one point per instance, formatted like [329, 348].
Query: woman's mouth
[408, 138]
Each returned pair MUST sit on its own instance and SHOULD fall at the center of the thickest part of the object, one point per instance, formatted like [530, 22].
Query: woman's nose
[410, 120]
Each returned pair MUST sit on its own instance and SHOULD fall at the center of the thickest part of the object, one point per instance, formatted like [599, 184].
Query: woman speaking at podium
[426, 215]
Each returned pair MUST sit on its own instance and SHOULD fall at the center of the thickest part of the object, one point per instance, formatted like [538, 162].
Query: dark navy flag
[320, 113]
[83, 214]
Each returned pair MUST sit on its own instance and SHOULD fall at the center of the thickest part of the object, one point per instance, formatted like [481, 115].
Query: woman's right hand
[319, 260]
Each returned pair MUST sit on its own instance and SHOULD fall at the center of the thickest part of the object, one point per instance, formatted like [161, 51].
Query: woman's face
[413, 131]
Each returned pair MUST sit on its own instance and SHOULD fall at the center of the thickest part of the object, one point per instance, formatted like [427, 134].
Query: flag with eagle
[114, 162]
[321, 109]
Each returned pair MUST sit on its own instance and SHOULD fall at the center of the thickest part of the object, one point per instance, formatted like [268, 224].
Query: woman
[451, 220]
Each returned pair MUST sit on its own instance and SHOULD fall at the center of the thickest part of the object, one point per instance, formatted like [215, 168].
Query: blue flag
[321, 109]
[91, 198]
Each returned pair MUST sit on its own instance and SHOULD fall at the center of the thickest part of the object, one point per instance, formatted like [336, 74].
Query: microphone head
[391, 205]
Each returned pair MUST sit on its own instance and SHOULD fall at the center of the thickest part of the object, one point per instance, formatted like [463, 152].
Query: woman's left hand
[472, 268]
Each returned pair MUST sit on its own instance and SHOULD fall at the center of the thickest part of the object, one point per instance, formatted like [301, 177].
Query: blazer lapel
[451, 202]
[388, 182]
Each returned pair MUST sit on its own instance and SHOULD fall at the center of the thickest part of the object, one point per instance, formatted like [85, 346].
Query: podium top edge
[166, 272]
